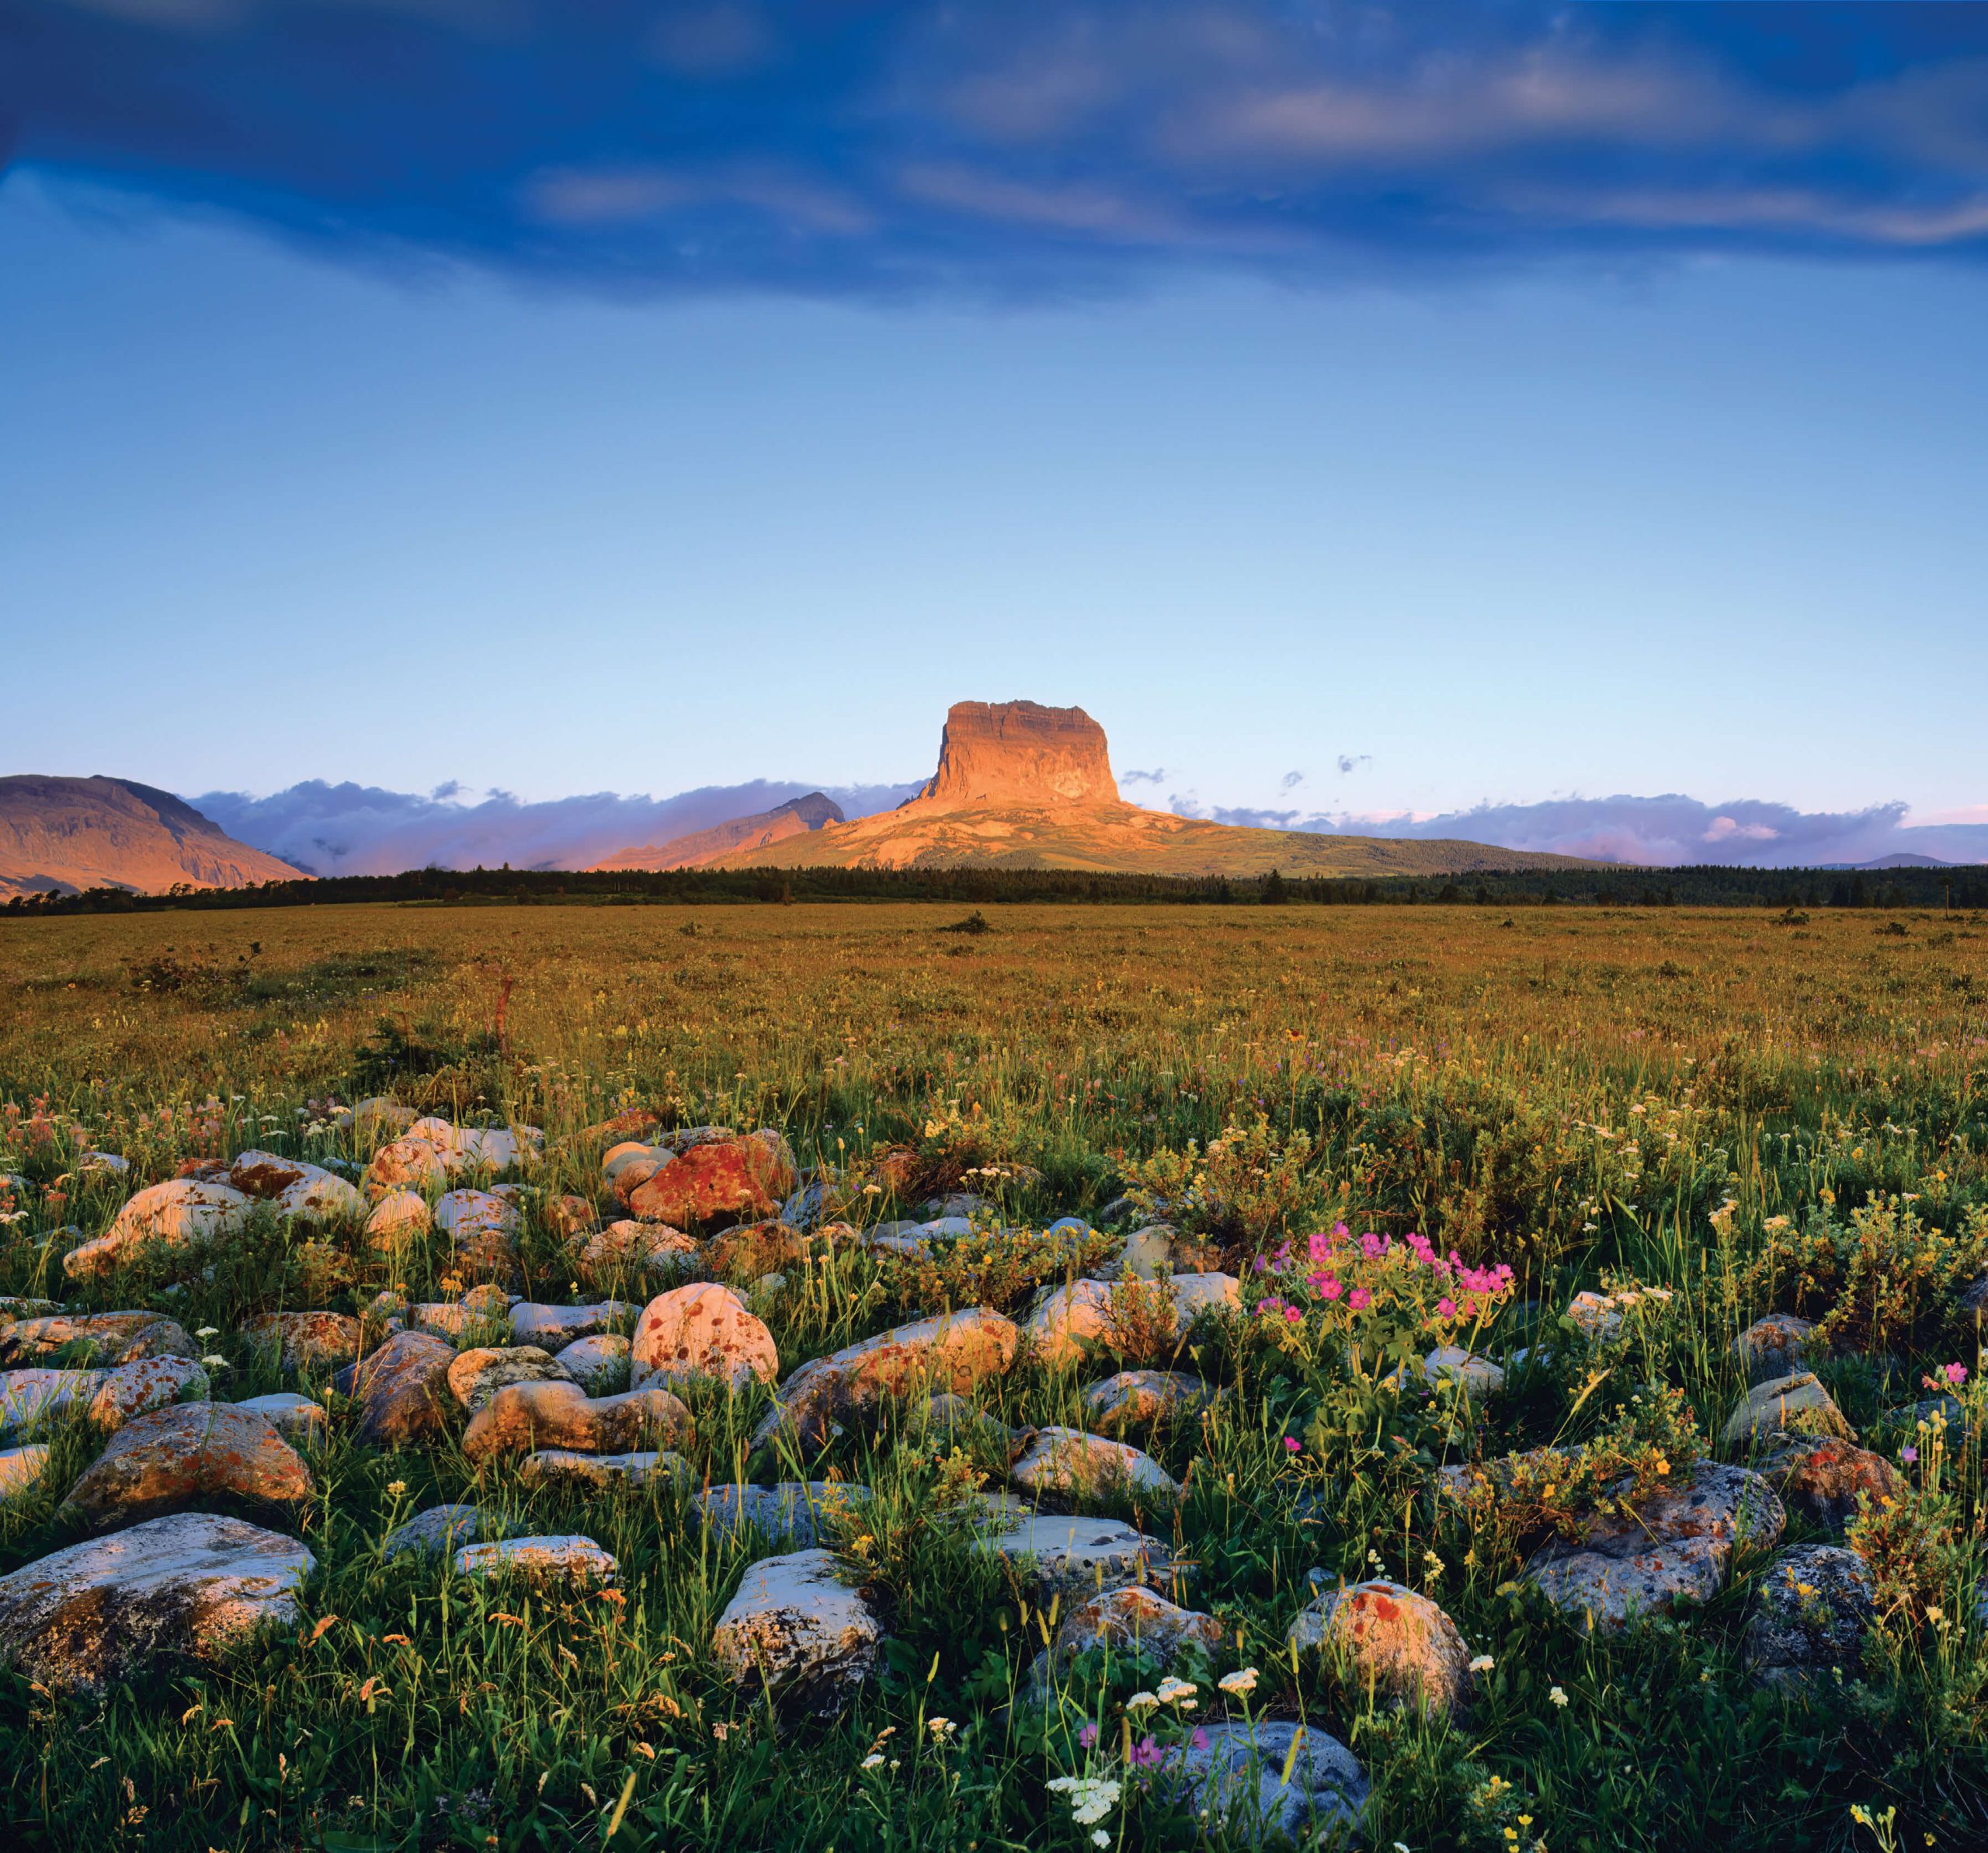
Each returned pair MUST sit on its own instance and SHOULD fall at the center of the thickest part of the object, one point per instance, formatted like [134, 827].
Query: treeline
[1707, 887]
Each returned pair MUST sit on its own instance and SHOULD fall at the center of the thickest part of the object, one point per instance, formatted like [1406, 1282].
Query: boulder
[296, 1418]
[169, 1458]
[749, 1249]
[795, 1630]
[1127, 1621]
[435, 1533]
[702, 1330]
[570, 1217]
[1148, 1254]
[730, 1180]
[954, 1350]
[1067, 1460]
[1815, 1604]
[401, 1218]
[378, 1118]
[407, 1164]
[474, 1376]
[600, 1366]
[1079, 1556]
[483, 1229]
[1144, 1399]
[600, 1473]
[1772, 1347]
[183, 1215]
[565, 1559]
[189, 1586]
[402, 1389]
[1269, 1778]
[1818, 1479]
[1600, 1315]
[1390, 1641]
[21, 1471]
[1678, 1545]
[528, 1417]
[533, 1323]
[791, 1510]
[628, 1248]
[1079, 1313]
[306, 1341]
[113, 1338]
[1478, 1376]
[1794, 1404]
[109, 1398]
[308, 1193]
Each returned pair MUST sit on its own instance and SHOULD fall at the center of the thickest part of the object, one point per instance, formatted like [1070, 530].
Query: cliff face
[59, 835]
[795, 818]
[1020, 752]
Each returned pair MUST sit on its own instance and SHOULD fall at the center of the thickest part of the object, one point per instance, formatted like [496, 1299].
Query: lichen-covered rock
[474, 1376]
[1600, 1315]
[296, 1418]
[727, 1181]
[792, 1511]
[109, 1398]
[1130, 1620]
[567, 1558]
[1145, 1399]
[483, 1230]
[954, 1352]
[702, 1330]
[1677, 1547]
[21, 1469]
[188, 1586]
[1237, 1774]
[528, 1417]
[439, 1532]
[1074, 1556]
[627, 1249]
[1819, 1478]
[306, 1341]
[797, 1631]
[303, 1192]
[113, 1338]
[1390, 1640]
[1070, 1317]
[600, 1366]
[407, 1164]
[600, 1473]
[1772, 1347]
[1148, 1254]
[401, 1218]
[1815, 1603]
[1069, 1462]
[570, 1217]
[182, 1215]
[1795, 1404]
[168, 1459]
[402, 1389]
[535, 1323]
[1478, 1376]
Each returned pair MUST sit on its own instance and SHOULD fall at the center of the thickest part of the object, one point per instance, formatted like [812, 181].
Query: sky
[1364, 413]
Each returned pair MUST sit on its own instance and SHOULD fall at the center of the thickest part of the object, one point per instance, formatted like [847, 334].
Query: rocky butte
[1020, 785]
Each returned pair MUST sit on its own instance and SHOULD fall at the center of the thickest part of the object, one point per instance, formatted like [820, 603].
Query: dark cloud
[349, 829]
[1663, 831]
[891, 147]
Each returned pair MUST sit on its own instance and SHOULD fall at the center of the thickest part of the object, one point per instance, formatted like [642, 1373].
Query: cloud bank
[349, 830]
[894, 148]
[1660, 832]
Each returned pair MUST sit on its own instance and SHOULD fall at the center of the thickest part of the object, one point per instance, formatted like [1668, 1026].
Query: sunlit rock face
[1020, 752]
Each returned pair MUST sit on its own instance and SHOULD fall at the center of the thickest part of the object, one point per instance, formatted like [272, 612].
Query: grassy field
[1758, 1112]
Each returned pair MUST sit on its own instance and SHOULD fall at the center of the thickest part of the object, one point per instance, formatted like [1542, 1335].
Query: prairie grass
[1593, 1097]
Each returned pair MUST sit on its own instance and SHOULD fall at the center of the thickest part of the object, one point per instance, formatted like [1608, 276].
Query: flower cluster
[1339, 1275]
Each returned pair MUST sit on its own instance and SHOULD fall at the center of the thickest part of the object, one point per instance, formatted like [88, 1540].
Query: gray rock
[109, 1398]
[566, 1558]
[601, 1472]
[1236, 1774]
[434, 1533]
[796, 1630]
[1079, 1555]
[1600, 1315]
[599, 1365]
[111, 1338]
[556, 1327]
[1816, 1602]
[792, 1510]
[1678, 1546]
[21, 1469]
[1772, 1347]
[1067, 1460]
[187, 1586]
[1819, 1478]
[474, 1376]
[1144, 1399]
[1147, 1253]
[402, 1389]
[1478, 1376]
[296, 1418]
[1126, 1620]
[1795, 1404]
[1391, 1640]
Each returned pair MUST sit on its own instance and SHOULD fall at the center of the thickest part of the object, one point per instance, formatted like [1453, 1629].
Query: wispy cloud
[1290, 781]
[1143, 778]
[1350, 762]
[704, 145]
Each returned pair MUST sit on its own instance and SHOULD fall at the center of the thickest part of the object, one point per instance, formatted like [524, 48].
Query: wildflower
[1359, 1299]
[1239, 1685]
[1092, 1798]
[1173, 1690]
[1087, 1737]
[1141, 1701]
[1333, 1288]
[1935, 1614]
[1483, 1663]
[1099, 1837]
[1293, 1445]
[940, 1727]
[1908, 1454]
[1558, 1697]
[215, 1363]
[208, 1332]
[396, 1489]
[1955, 1374]
[873, 1761]
[1446, 1309]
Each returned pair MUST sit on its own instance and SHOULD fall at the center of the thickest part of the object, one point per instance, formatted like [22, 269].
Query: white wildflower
[1173, 1690]
[1239, 1685]
[1483, 1663]
[1141, 1701]
[1558, 1697]
[873, 1761]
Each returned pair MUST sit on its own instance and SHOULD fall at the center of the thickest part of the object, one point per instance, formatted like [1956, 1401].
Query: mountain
[1020, 785]
[795, 818]
[61, 835]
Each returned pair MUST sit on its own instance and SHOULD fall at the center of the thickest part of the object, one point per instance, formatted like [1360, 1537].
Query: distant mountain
[795, 818]
[1022, 786]
[61, 835]
[1904, 859]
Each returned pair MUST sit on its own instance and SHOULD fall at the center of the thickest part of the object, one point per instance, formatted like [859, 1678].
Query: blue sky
[1587, 402]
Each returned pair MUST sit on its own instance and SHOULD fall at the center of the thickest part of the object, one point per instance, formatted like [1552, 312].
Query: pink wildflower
[1293, 1315]
[1333, 1288]
[1446, 1309]
[1908, 1454]
[1955, 1374]
[1087, 1737]
[1293, 1445]
[1359, 1299]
